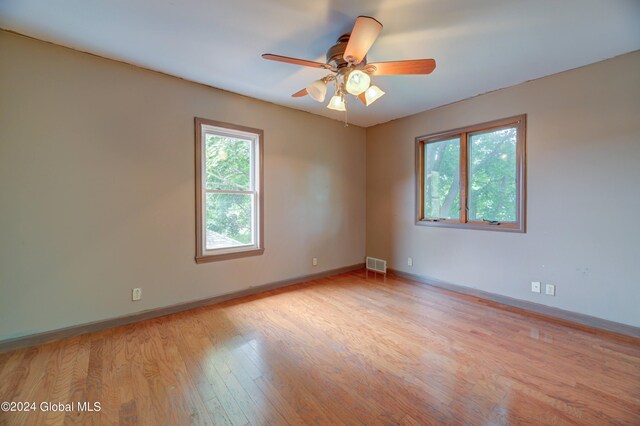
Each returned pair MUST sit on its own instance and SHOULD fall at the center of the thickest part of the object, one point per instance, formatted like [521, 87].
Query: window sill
[507, 227]
[226, 256]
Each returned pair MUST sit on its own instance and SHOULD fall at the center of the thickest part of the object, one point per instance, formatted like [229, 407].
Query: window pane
[492, 176]
[442, 179]
[229, 220]
[228, 163]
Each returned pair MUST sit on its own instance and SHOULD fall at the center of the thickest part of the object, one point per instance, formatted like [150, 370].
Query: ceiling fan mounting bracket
[370, 69]
[329, 67]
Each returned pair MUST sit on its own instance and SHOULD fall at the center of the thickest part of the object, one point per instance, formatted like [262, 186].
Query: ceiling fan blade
[365, 32]
[416, 66]
[300, 93]
[294, 61]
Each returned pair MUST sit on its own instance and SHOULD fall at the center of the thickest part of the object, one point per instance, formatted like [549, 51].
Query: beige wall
[97, 189]
[583, 194]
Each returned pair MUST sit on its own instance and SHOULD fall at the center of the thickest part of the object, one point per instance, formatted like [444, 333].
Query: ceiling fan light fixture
[372, 94]
[357, 82]
[337, 103]
[317, 90]
[351, 73]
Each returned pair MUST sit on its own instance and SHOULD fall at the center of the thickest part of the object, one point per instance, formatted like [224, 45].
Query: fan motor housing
[335, 53]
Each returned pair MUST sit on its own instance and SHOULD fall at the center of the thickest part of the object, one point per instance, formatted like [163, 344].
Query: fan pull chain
[346, 124]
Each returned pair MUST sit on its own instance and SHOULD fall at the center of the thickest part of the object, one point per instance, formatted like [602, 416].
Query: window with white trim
[228, 191]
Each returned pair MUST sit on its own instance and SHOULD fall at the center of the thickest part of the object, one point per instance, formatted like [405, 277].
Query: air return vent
[377, 265]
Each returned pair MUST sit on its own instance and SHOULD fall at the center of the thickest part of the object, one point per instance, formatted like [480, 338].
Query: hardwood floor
[348, 349]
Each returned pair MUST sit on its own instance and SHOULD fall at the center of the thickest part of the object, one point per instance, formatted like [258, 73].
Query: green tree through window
[442, 179]
[228, 167]
[492, 176]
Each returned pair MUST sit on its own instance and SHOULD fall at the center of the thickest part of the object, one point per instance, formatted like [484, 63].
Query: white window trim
[255, 137]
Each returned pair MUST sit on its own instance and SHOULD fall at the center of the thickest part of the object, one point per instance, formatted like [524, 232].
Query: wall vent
[377, 265]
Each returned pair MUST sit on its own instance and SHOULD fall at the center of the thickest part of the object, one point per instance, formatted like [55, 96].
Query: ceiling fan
[347, 60]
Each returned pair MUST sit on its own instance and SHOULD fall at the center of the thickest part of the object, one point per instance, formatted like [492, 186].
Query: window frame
[202, 127]
[464, 133]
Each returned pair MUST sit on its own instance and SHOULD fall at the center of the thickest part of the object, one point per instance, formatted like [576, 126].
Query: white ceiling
[479, 46]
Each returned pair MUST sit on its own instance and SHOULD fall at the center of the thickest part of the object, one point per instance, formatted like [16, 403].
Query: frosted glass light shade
[372, 94]
[337, 103]
[317, 90]
[357, 82]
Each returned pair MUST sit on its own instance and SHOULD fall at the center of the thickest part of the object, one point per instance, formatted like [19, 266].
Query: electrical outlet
[136, 294]
[535, 286]
[410, 261]
[550, 290]
[314, 261]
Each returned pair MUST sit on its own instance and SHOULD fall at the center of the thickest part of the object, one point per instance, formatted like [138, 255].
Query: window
[228, 191]
[473, 177]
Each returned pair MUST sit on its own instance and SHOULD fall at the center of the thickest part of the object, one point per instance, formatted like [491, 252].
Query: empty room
[278, 212]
